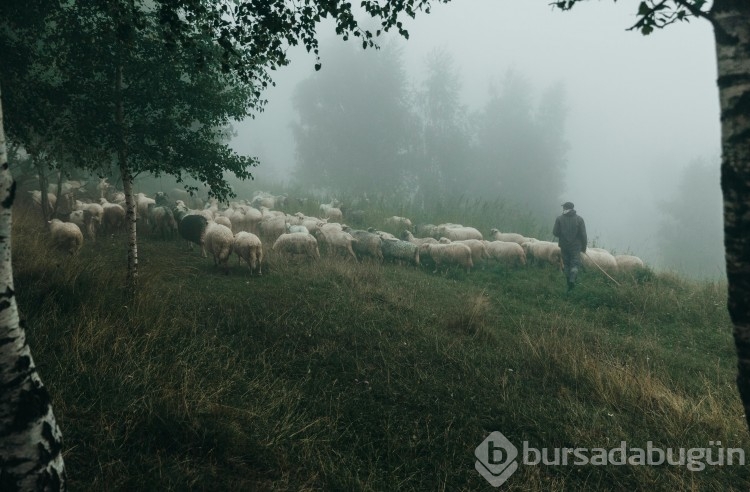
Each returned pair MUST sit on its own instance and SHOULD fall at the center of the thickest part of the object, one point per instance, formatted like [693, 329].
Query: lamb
[113, 216]
[400, 251]
[629, 263]
[65, 236]
[408, 236]
[543, 251]
[368, 243]
[398, 222]
[248, 247]
[219, 240]
[297, 243]
[506, 252]
[192, 228]
[296, 228]
[103, 187]
[600, 257]
[509, 237]
[448, 254]
[477, 247]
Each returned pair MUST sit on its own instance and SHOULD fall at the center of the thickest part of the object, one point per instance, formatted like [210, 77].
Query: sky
[641, 108]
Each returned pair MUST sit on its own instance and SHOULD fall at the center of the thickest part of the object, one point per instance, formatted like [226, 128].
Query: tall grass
[335, 375]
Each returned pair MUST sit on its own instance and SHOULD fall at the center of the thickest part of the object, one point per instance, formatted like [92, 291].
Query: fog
[640, 109]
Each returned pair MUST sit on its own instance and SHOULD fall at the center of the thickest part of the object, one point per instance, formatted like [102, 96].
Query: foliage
[354, 121]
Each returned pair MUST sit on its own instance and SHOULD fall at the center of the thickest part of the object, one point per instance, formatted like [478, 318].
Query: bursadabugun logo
[496, 459]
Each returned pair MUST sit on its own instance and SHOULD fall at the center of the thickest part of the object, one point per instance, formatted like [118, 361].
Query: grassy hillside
[343, 376]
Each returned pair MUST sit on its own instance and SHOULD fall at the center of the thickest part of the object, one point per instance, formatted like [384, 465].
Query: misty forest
[226, 275]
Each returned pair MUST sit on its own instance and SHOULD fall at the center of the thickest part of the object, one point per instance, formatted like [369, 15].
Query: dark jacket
[571, 230]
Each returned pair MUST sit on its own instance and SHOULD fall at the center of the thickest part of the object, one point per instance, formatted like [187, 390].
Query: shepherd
[570, 229]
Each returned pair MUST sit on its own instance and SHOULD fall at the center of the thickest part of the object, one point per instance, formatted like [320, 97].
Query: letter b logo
[496, 459]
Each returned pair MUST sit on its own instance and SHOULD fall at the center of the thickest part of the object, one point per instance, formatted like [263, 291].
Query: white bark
[30, 440]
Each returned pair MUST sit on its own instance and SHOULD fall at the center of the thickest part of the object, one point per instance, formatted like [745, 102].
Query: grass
[341, 376]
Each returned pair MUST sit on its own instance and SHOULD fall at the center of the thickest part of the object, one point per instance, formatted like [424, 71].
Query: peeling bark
[30, 440]
[731, 20]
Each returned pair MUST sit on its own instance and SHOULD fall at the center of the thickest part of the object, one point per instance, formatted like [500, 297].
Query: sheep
[36, 197]
[629, 263]
[368, 243]
[543, 251]
[398, 251]
[84, 221]
[246, 218]
[506, 252]
[103, 187]
[324, 207]
[337, 242]
[141, 205]
[509, 237]
[382, 234]
[458, 232]
[272, 227]
[297, 243]
[163, 221]
[219, 240]
[65, 236]
[426, 230]
[334, 214]
[96, 211]
[223, 220]
[398, 222]
[449, 254]
[408, 236]
[113, 216]
[477, 247]
[296, 228]
[248, 247]
[599, 257]
[192, 228]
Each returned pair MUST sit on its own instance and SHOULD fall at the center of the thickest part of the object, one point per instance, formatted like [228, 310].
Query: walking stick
[600, 268]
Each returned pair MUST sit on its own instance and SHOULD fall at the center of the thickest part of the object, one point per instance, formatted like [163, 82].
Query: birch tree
[730, 20]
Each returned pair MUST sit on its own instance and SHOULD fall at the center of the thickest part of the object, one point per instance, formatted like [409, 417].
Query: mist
[639, 110]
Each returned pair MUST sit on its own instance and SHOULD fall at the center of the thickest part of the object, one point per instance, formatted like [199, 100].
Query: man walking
[571, 231]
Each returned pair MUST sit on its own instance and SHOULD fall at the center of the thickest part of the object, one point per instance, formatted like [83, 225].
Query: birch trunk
[731, 19]
[127, 186]
[30, 440]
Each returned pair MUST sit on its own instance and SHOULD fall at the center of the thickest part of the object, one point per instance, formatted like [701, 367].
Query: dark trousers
[571, 263]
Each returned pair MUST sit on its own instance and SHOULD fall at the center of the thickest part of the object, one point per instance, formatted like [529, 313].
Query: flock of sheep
[243, 227]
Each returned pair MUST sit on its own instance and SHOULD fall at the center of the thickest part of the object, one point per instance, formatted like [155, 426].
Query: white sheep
[141, 206]
[408, 236]
[113, 216]
[223, 220]
[629, 263]
[477, 247]
[600, 257]
[334, 214]
[510, 237]
[399, 223]
[219, 240]
[65, 236]
[337, 242]
[457, 232]
[544, 252]
[296, 228]
[506, 252]
[297, 243]
[271, 227]
[448, 254]
[163, 221]
[248, 247]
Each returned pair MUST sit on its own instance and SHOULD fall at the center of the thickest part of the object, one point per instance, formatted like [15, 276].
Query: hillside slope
[343, 376]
